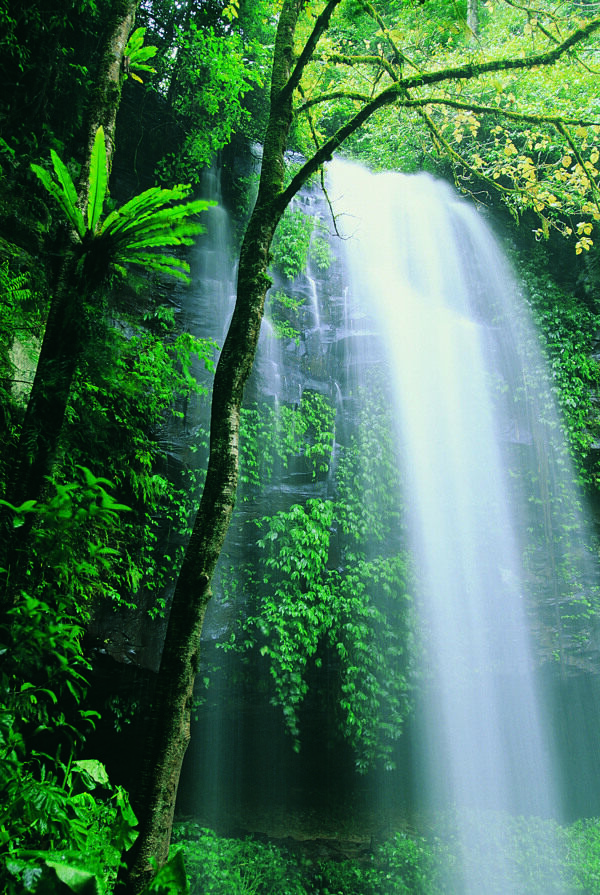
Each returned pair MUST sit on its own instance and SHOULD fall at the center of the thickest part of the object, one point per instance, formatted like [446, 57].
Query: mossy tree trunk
[67, 329]
[154, 801]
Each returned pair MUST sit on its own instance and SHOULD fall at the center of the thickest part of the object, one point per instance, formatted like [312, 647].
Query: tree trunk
[64, 337]
[66, 334]
[154, 801]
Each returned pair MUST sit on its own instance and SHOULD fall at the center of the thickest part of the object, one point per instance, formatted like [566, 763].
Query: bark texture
[66, 334]
[473, 15]
[154, 801]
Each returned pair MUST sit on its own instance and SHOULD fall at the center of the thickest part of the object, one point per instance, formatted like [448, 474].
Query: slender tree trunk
[154, 801]
[66, 333]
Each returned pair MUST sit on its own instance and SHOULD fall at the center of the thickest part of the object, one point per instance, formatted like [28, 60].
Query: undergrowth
[539, 857]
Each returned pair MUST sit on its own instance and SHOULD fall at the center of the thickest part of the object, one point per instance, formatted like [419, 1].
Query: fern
[137, 55]
[61, 193]
[147, 221]
[13, 287]
[98, 181]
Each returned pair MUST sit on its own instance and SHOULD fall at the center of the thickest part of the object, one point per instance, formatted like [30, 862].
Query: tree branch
[321, 25]
[327, 97]
[398, 92]
[399, 57]
[561, 127]
[528, 117]
[474, 70]
[365, 59]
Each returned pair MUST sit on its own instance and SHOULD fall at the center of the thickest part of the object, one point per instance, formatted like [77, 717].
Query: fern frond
[58, 193]
[98, 180]
[161, 239]
[167, 217]
[152, 229]
[136, 39]
[175, 267]
[140, 206]
[70, 193]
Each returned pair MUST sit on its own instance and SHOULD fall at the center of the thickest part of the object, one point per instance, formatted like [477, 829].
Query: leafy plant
[220, 866]
[210, 73]
[271, 438]
[129, 234]
[63, 824]
[291, 244]
[137, 55]
[70, 533]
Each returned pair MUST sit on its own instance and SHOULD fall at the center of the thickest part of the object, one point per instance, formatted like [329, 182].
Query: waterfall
[423, 266]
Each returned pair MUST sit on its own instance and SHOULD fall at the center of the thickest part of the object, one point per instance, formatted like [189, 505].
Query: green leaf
[136, 39]
[57, 192]
[98, 180]
[69, 192]
[170, 879]
[82, 881]
[160, 263]
[94, 769]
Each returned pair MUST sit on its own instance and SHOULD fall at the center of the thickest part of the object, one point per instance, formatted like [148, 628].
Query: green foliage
[540, 857]
[218, 866]
[567, 327]
[210, 73]
[170, 879]
[20, 328]
[320, 253]
[360, 616]
[137, 55]
[368, 491]
[66, 825]
[584, 854]
[272, 438]
[132, 381]
[129, 234]
[311, 600]
[71, 532]
[282, 312]
[61, 820]
[291, 244]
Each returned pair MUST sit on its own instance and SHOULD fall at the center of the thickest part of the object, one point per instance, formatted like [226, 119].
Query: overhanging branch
[321, 25]
[524, 117]
[475, 70]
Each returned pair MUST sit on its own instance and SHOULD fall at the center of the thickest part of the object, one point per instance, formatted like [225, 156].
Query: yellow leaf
[136, 77]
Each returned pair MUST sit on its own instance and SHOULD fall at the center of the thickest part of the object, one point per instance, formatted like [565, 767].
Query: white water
[424, 265]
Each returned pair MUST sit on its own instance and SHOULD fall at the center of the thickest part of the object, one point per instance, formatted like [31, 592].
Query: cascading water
[423, 265]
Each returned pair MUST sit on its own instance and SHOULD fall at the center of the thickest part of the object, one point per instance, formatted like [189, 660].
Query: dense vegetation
[103, 121]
